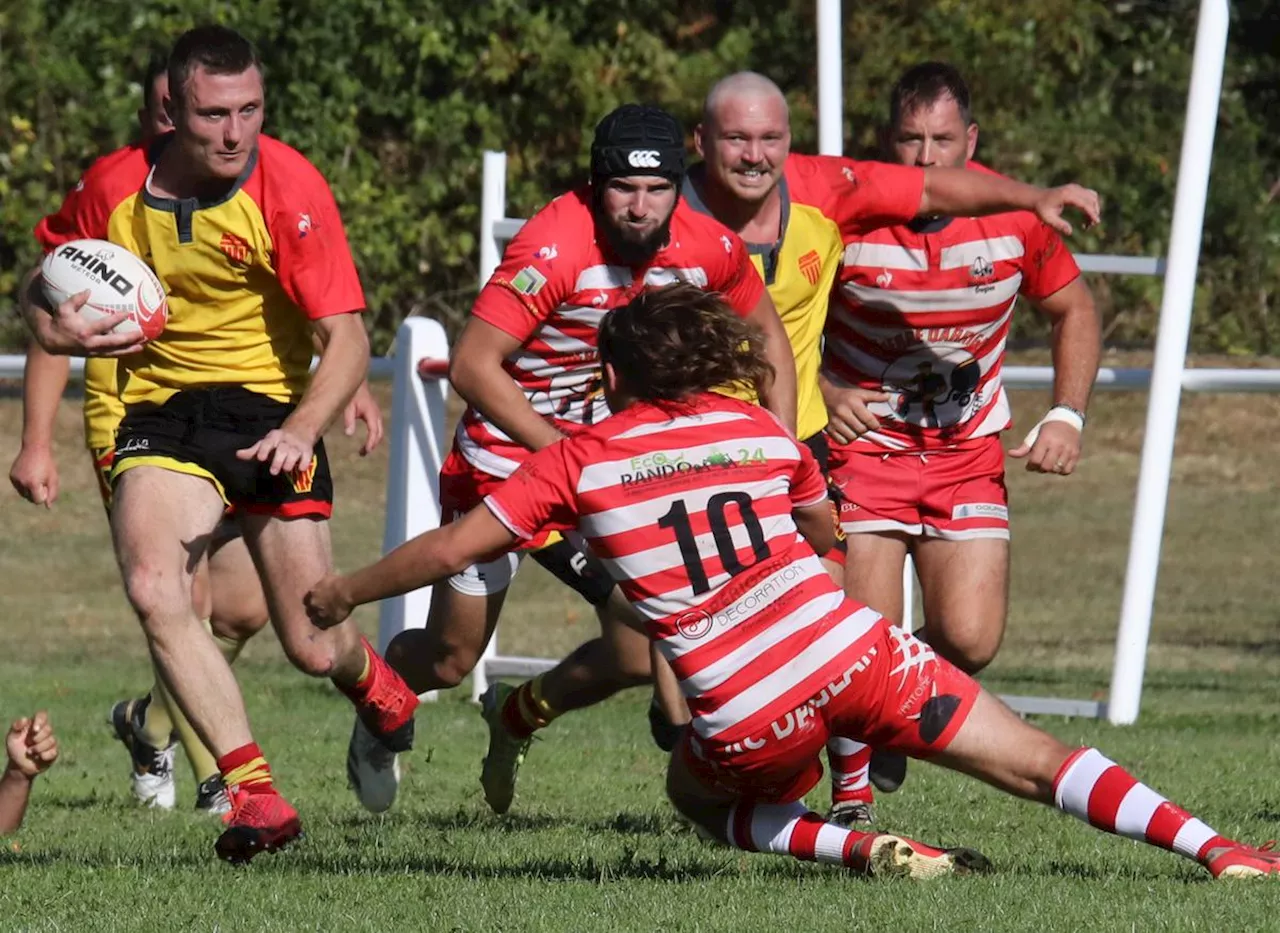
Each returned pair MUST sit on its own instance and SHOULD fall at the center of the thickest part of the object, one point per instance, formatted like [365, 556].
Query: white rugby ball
[116, 280]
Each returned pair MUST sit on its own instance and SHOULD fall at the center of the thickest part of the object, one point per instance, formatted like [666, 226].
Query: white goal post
[418, 422]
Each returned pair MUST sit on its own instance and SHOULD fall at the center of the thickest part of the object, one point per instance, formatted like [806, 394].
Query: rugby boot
[852, 813]
[384, 703]
[1241, 861]
[212, 798]
[263, 822]
[883, 855]
[373, 770]
[151, 774]
[506, 752]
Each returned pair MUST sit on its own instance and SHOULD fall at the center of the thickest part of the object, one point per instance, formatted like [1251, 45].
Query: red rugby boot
[263, 822]
[384, 703]
[1241, 861]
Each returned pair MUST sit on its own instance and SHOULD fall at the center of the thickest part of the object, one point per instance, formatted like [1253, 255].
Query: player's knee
[452, 665]
[154, 597]
[313, 658]
[425, 663]
[240, 626]
[970, 648]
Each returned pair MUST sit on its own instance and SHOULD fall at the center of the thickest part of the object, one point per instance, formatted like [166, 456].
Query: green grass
[591, 844]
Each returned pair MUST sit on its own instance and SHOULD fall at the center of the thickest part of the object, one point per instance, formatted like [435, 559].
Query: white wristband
[1054, 414]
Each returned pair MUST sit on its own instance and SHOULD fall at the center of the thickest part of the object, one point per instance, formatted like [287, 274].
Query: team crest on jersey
[727, 244]
[528, 281]
[884, 279]
[236, 249]
[934, 387]
[547, 252]
[304, 225]
[981, 268]
[302, 479]
[811, 266]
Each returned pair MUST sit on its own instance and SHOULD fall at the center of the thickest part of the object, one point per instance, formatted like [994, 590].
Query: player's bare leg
[592, 673]
[965, 585]
[227, 592]
[791, 828]
[161, 521]
[996, 746]
[291, 555]
[873, 577]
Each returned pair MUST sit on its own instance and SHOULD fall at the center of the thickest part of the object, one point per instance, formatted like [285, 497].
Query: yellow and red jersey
[245, 274]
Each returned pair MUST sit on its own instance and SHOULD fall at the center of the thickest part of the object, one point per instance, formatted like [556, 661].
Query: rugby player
[914, 346]
[527, 364]
[720, 561]
[31, 749]
[221, 408]
[227, 586]
[794, 235]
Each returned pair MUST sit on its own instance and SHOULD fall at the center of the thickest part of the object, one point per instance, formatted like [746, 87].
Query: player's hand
[67, 332]
[31, 746]
[35, 475]
[327, 602]
[284, 448]
[1055, 201]
[363, 407]
[1056, 449]
[847, 414]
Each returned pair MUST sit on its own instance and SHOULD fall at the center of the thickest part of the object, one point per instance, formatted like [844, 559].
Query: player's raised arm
[958, 192]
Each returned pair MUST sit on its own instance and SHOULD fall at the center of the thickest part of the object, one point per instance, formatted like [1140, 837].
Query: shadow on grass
[623, 824]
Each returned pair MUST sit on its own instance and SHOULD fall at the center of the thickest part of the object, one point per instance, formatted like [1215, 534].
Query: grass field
[591, 844]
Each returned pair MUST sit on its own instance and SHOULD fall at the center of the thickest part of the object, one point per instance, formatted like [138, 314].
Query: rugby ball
[116, 280]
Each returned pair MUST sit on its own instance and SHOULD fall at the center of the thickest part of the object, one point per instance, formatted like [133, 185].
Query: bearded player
[527, 363]
[720, 561]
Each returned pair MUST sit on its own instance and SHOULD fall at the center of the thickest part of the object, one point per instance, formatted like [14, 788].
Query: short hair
[217, 49]
[157, 65]
[925, 84]
[741, 82]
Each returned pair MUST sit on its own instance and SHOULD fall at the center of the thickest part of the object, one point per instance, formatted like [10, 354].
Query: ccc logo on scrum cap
[643, 158]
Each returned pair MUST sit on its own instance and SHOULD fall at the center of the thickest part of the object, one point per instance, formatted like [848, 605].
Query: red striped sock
[1095, 789]
[246, 769]
[795, 830]
[526, 711]
[850, 763]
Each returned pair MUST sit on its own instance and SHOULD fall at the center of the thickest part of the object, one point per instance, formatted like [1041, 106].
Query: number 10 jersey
[689, 506]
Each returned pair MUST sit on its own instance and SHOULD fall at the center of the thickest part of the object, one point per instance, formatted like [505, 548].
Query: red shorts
[900, 696]
[463, 487]
[955, 494]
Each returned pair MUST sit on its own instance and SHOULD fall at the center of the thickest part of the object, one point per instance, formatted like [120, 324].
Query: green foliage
[395, 101]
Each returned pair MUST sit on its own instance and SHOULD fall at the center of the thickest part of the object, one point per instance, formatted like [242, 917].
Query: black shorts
[198, 431]
[577, 569]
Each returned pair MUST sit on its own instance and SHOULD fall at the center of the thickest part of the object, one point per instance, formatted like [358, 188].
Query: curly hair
[672, 342]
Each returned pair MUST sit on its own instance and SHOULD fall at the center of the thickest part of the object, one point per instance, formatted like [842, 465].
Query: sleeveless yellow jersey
[798, 270]
[244, 274]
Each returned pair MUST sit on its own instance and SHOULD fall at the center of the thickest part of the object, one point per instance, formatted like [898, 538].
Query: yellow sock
[157, 726]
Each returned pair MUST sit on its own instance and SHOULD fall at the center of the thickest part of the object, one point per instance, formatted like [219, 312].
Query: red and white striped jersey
[555, 284]
[690, 507]
[922, 313]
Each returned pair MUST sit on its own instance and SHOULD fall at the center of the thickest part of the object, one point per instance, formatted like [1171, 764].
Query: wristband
[1064, 413]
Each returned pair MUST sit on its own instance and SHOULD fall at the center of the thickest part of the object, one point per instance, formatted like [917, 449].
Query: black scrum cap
[637, 139]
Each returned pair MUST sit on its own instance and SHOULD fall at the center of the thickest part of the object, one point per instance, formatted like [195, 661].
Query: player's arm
[814, 522]
[31, 749]
[958, 192]
[34, 473]
[425, 560]
[476, 372]
[1054, 444]
[779, 395]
